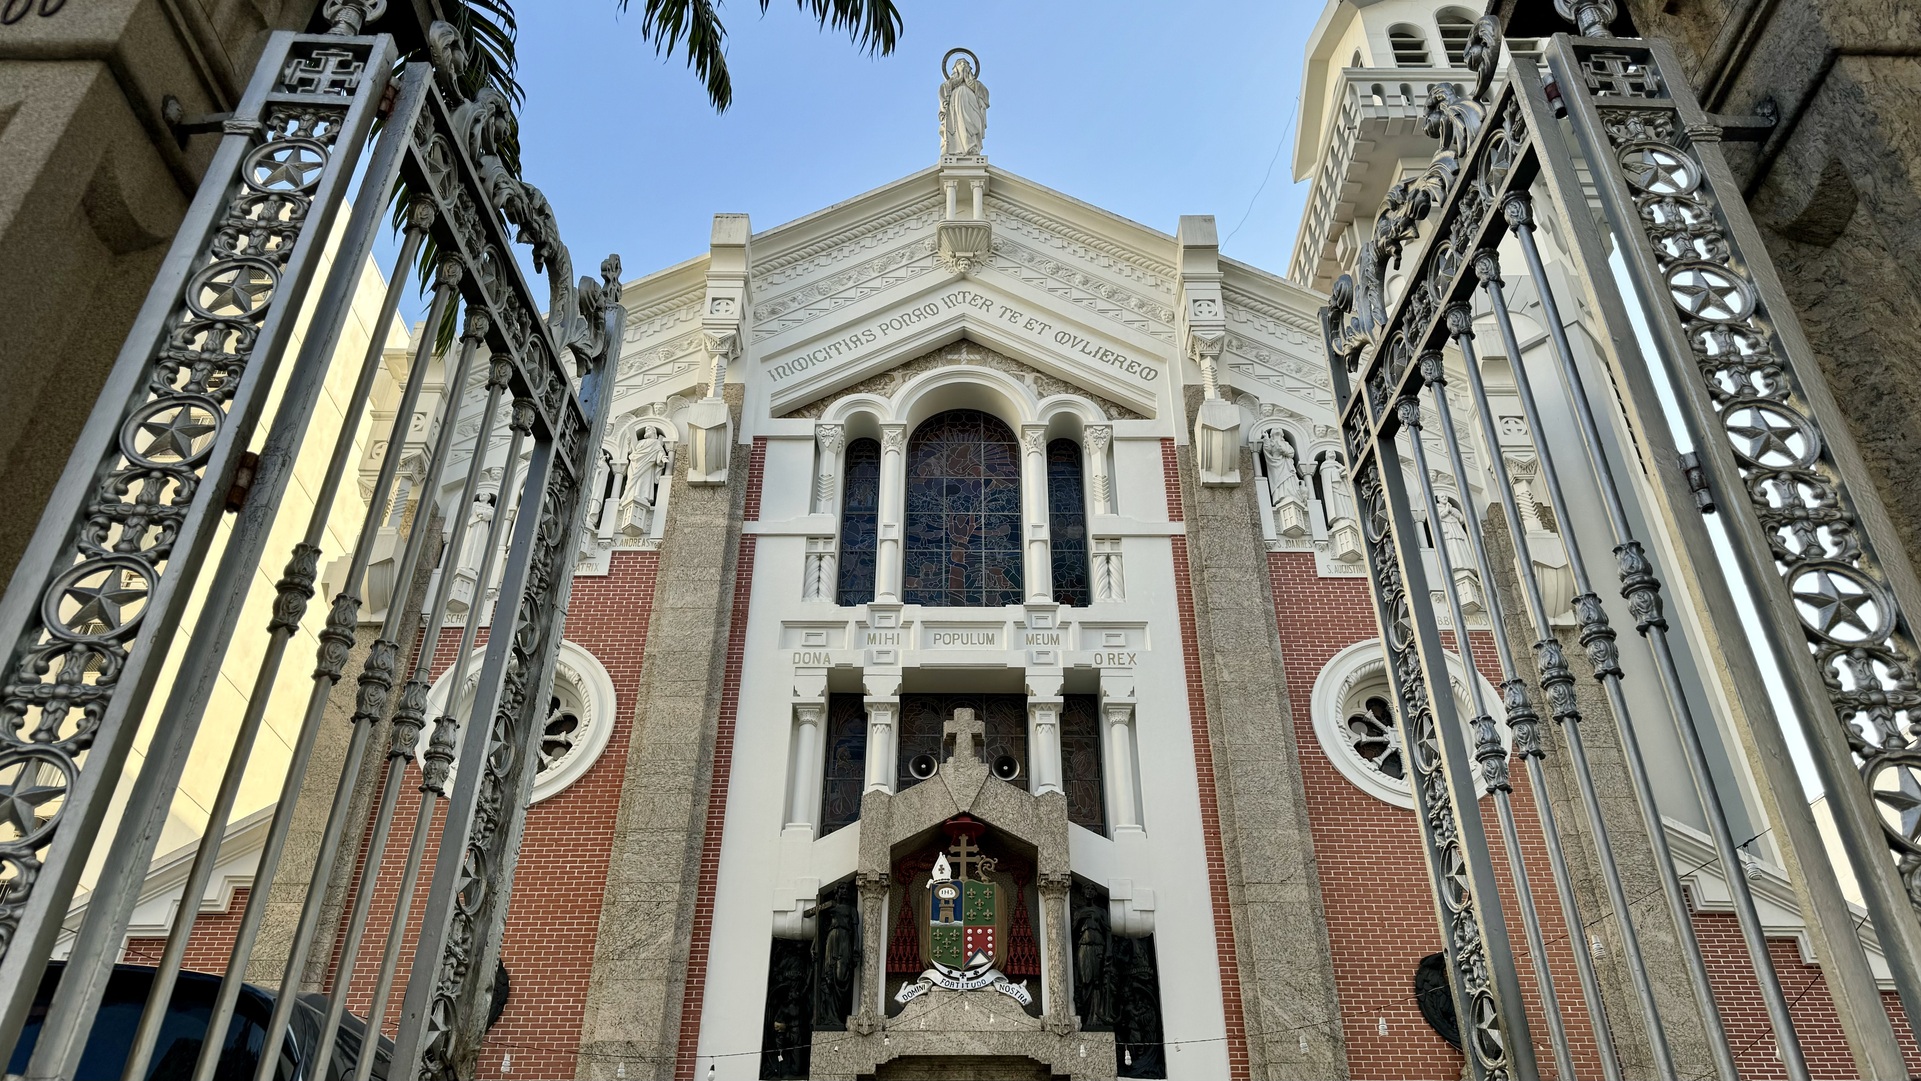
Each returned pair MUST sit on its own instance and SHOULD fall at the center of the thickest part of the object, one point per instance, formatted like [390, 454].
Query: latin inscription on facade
[1040, 330]
[963, 638]
[880, 639]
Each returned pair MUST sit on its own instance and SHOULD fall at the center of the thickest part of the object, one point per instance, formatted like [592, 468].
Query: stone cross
[964, 725]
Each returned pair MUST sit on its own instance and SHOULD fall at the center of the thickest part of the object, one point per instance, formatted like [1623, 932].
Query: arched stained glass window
[963, 544]
[1067, 522]
[845, 772]
[859, 517]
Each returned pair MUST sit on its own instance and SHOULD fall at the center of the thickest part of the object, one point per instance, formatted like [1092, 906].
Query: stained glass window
[1081, 761]
[841, 781]
[963, 546]
[1004, 716]
[1067, 522]
[859, 515]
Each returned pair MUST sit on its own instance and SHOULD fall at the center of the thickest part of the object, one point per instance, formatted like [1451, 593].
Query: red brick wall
[208, 947]
[565, 847]
[1374, 883]
[1232, 1010]
[1815, 1020]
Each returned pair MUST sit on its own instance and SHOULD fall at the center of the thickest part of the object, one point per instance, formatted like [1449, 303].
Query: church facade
[970, 670]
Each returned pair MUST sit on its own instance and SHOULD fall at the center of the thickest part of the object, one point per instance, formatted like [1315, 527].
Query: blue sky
[1150, 110]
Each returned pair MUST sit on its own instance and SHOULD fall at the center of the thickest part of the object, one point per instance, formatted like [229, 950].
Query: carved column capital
[829, 438]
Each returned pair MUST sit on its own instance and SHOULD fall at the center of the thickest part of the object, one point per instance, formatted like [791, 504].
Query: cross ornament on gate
[1619, 75]
[323, 71]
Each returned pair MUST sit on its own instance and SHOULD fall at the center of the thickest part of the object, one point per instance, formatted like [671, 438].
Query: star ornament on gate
[1658, 170]
[22, 796]
[1836, 607]
[287, 167]
[100, 603]
[176, 435]
[1708, 293]
[1903, 801]
[1768, 437]
[237, 289]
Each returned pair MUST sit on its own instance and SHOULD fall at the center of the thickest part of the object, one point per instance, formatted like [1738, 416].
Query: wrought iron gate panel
[1479, 158]
[457, 159]
[106, 579]
[1835, 597]
[1835, 588]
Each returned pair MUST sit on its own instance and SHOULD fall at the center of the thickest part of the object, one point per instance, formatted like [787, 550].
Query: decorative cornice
[864, 234]
[1240, 298]
[1146, 269]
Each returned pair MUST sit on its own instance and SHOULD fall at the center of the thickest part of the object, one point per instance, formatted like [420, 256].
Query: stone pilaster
[1281, 946]
[646, 936]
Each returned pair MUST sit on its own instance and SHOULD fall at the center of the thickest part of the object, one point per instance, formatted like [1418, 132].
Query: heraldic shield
[965, 936]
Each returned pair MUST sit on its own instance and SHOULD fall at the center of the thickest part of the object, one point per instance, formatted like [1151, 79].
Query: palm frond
[667, 23]
[874, 26]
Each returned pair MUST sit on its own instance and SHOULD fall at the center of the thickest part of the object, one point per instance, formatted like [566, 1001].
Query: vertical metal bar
[410, 711]
[1522, 719]
[422, 527]
[1641, 587]
[1737, 358]
[349, 259]
[1598, 638]
[473, 871]
[110, 569]
[335, 643]
[440, 751]
[1486, 989]
[1487, 750]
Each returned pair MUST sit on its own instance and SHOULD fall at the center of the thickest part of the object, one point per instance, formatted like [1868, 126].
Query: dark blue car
[186, 1026]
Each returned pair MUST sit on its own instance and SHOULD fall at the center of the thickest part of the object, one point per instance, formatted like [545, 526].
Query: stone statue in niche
[1137, 1016]
[1285, 487]
[1091, 1001]
[473, 547]
[836, 958]
[787, 1033]
[1460, 554]
[963, 106]
[647, 460]
[1335, 498]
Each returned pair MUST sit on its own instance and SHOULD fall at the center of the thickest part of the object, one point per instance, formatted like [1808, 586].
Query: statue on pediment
[963, 105]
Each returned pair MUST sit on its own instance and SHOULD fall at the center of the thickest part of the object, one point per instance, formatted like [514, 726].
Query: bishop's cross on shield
[962, 911]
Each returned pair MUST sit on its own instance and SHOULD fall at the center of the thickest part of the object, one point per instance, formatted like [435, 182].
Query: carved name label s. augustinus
[897, 323]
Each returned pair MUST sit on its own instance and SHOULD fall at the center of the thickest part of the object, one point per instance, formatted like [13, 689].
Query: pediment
[961, 352]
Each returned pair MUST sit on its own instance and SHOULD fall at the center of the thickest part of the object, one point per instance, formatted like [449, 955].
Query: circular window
[1356, 723]
[578, 720]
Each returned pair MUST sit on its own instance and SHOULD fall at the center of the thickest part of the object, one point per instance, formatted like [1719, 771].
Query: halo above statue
[947, 62]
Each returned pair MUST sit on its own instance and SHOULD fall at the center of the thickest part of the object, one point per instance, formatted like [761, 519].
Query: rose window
[1375, 739]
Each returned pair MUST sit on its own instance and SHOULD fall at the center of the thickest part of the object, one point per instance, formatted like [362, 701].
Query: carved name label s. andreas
[1040, 330]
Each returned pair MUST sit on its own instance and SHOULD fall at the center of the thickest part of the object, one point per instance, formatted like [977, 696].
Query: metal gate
[1699, 395]
[106, 581]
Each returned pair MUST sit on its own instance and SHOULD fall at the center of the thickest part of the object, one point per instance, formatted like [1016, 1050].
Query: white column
[803, 809]
[828, 440]
[881, 748]
[1123, 814]
[1038, 566]
[1100, 484]
[893, 496]
[1044, 745]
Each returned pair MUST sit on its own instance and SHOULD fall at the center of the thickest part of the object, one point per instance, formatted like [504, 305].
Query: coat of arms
[966, 928]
